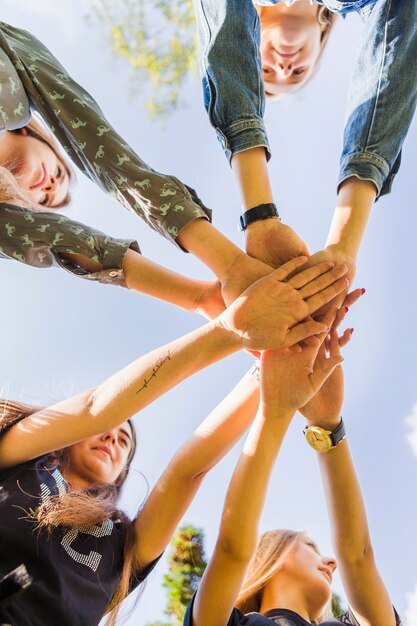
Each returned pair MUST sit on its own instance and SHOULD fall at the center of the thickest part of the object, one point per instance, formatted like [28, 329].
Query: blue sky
[62, 335]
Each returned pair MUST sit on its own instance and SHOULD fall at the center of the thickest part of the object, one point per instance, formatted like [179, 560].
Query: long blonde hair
[36, 129]
[90, 506]
[271, 552]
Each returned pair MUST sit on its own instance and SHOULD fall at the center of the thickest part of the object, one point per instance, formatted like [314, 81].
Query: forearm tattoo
[160, 362]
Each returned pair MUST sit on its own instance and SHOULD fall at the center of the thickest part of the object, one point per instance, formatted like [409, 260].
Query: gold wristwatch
[324, 440]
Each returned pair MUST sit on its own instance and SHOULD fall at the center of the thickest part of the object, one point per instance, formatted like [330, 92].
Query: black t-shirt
[75, 572]
[282, 617]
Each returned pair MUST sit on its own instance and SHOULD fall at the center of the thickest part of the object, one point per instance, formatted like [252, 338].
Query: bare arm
[365, 589]
[287, 380]
[266, 316]
[152, 279]
[180, 481]
[267, 240]
[118, 398]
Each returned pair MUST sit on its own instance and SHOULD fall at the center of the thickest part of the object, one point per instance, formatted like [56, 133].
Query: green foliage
[158, 41]
[187, 563]
[337, 608]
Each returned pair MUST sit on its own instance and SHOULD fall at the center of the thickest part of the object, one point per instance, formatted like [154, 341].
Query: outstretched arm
[265, 316]
[229, 36]
[365, 589]
[177, 486]
[287, 378]
[380, 111]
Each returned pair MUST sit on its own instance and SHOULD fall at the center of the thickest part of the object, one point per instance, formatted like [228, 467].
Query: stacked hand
[291, 377]
[324, 408]
[270, 313]
[273, 242]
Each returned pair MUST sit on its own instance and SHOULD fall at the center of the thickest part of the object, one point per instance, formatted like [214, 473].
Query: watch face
[318, 439]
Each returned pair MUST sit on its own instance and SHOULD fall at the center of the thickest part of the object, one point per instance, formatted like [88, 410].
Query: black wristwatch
[260, 212]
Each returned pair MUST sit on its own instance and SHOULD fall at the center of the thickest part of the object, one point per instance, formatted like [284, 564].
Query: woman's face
[308, 569]
[100, 459]
[40, 172]
[290, 45]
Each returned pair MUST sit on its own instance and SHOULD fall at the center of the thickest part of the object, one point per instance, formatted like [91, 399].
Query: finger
[330, 315]
[312, 341]
[323, 281]
[301, 331]
[320, 376]
[316, 302]
[334, 345]
[306, 276]
[346, 337]
[340, 316]
[285, 270]
[353, 297]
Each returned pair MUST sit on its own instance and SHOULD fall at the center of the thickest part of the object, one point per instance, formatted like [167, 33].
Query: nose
[109, 436]
[330, 562]
[50, 184]
[284, 67]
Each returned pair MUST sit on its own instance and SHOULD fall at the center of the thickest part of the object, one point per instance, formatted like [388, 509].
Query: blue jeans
[382, 96]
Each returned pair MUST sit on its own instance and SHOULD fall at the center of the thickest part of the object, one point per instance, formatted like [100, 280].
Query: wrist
[232, 339]
[209, 245]
[327, 423]
[258, 213]
[279, 411]
[270, 223]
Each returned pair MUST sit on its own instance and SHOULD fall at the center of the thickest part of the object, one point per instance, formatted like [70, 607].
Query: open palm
[268, 314]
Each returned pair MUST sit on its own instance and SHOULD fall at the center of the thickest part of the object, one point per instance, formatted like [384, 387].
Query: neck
[291, 599]
[75, 482]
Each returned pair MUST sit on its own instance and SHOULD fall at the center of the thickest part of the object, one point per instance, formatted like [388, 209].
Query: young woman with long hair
[284, 579]
[62, 467]
[33, 79]
[274, 47]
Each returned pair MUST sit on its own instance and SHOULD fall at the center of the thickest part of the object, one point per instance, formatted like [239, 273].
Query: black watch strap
[339, 433]
[260, 212]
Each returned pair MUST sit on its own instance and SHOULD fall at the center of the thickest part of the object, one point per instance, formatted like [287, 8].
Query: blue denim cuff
[366, 166]
[243, 135]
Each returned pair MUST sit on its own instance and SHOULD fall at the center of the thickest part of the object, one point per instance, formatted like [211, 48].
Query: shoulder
[237, 618]
[349, 619]
[38, 470]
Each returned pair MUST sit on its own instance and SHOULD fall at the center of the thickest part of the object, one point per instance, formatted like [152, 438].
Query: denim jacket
[383, 90]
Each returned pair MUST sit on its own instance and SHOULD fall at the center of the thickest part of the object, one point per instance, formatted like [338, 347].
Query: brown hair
[271, 552]
[327, 20]
[38, 130]
[90, 506]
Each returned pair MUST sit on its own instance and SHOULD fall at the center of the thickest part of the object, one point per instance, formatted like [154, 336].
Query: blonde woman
[284, 579]
[274, 48]
[62, 467]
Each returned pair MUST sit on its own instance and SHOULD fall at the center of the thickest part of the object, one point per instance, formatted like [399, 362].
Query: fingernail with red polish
[363, 290]
[351, 330]
[346, 309]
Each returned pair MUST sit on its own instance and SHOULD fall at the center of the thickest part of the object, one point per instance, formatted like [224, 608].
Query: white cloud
[411, 610]
[411, 421]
